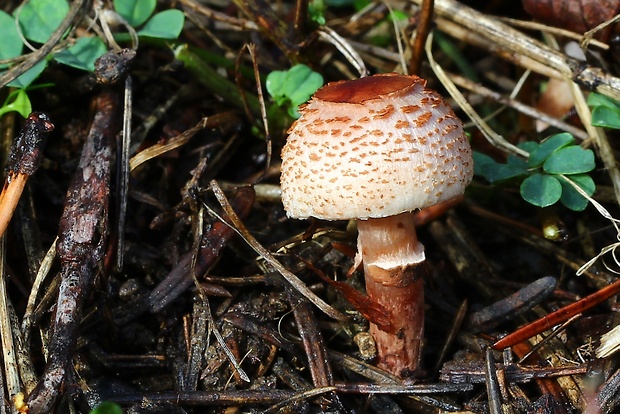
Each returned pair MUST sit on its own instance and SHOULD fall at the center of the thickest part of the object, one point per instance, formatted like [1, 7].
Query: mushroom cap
[373, 147]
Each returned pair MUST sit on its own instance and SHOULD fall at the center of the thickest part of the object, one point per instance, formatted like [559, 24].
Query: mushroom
[375, 149]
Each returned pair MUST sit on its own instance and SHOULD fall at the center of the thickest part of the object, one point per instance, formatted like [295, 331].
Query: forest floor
[186, 288]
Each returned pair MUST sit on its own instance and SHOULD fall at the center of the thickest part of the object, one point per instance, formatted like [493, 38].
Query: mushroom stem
[393, 267]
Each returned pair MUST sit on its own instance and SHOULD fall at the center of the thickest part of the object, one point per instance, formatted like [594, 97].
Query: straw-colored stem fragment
[513, 42]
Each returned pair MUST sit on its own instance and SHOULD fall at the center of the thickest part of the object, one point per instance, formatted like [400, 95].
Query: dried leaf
[369, 308]
[576, 15]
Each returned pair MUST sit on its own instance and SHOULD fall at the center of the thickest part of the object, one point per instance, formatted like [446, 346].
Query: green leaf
[529, 146]
[135, 12]
[26, 78]
[39, 18]
[603, 116]
[570, 160]
[605, 111]
[502, 172]
[316, 11]
[596, 100]
[541, 190]
[494, 171]
[275, 83]
[107, 407]
[83, 54]
[480, 161]
[19, 102]
[547, 147]
[516, 161]
[11, 42]
[294, 86]
[571, 197]
[164, 25]
[396, 15]
[357, 4]
[306, 88]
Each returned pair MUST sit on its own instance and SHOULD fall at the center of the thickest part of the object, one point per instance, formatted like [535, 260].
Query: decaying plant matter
[82, 238]
[223, 303]
[24, 159]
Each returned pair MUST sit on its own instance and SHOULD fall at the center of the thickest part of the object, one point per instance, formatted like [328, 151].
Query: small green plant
[382, 33]
[316, 11]
[166, 24]
[107, 407]
[605, 111]
[293, 87]
[17, 101]
[546, 172]
[38, 19]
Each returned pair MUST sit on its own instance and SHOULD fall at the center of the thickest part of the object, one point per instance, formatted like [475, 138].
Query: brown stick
[313, 343]
[424, 26]
[301, 18]
[81, 245]
[557, 317]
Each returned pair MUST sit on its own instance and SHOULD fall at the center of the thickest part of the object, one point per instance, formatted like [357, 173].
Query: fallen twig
[82, 238]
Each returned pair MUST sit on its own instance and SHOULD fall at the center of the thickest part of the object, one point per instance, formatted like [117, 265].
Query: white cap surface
[373, 147]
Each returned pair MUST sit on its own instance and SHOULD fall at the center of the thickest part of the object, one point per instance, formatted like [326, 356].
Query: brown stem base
[394, 270]
[399, 352]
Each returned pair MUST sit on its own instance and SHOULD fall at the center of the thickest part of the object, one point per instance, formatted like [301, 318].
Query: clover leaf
[164, 25]
[547, 147]
[17, 101]
[135, 12]
[546, 172]
[570, 160]
[293, 87]
[605, 111]
[25, 79]
[542, 190]
[570, 196]
[83, 54]
[38, 19]
[11, 42]
[316, 11]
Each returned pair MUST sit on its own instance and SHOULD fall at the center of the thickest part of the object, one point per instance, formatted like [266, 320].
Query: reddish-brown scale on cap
[365, 88]
[375, 149]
